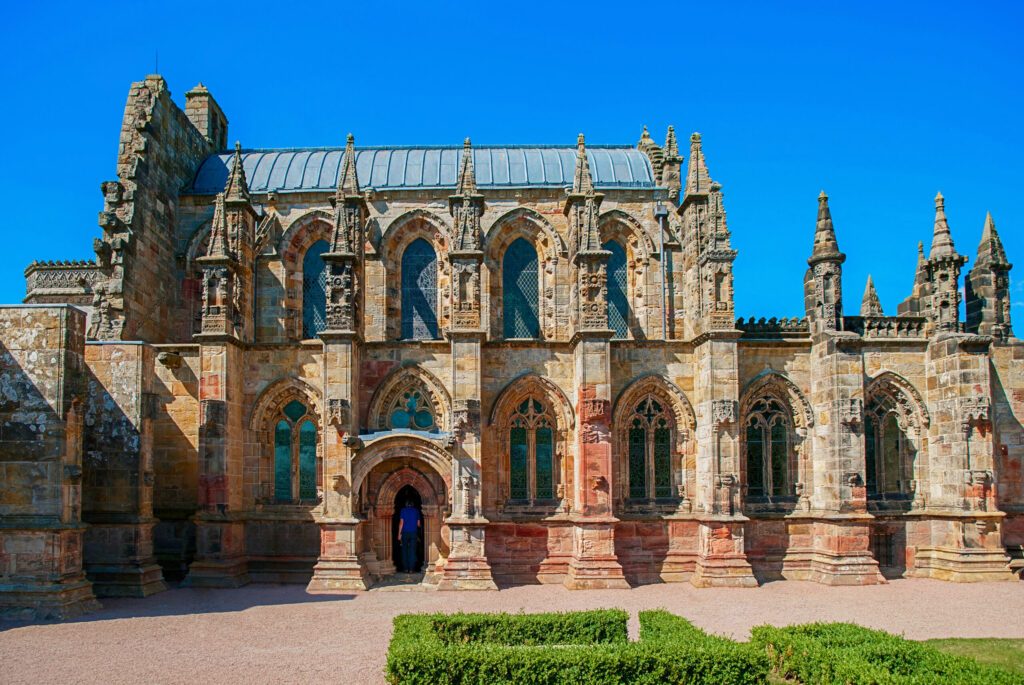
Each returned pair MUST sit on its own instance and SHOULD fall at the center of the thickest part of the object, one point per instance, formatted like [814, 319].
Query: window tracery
[419, 291]
[314, 290]
[531, 452]
[768, 449]
[520, 291]
[650, 450]
[295, 443]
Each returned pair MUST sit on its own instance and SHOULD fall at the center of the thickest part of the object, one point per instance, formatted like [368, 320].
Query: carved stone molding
[723, 413]
[339, 413]
[973, 410]
[851, 412]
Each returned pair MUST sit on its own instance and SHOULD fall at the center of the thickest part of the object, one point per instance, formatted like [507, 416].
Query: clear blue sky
[879, 104]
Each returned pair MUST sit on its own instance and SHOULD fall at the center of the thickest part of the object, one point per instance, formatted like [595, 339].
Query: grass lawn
[1007, 654]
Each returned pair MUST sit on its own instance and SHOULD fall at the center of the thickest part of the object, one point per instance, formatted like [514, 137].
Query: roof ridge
[366, 148]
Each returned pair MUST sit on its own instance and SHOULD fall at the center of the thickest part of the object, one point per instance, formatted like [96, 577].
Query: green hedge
[554, 649]
[846, 654]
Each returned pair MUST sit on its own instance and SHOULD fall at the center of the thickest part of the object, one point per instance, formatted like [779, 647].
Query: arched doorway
[407, 495]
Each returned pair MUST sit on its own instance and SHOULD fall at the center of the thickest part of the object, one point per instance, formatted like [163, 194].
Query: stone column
[41, 529]
[339, 568]
[721, 556]
[220, 526]
[957, 535]
[467, 567]
[841, 526]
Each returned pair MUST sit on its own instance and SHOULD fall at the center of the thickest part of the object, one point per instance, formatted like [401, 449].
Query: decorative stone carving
[723, 413]
[339, 412]
[850, 412]
[973, 410]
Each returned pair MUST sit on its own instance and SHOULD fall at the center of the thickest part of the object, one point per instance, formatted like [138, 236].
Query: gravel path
[271, 633]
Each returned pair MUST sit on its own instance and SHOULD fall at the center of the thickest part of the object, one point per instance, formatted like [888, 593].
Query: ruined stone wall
[42, 377]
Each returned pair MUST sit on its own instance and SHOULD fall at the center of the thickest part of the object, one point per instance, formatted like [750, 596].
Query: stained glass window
[521, 291]
[637, 461]
[294, 410]
[618, 303]
[314, 290]
[283, 462]
[768, 449]
[518, 458]
[307, 461]
[412, 412]
[419, 291]
[544, 450]
[662, 463]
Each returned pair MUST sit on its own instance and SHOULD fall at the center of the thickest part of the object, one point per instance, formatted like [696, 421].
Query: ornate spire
[826, 247]
[582, 184]
[218, 246]
[870, 305]
[942, 240]
[654, 153]
[236, 189]
[990, 250]
[698, 180]
[467, 176]
[670, 170]
[348, 183]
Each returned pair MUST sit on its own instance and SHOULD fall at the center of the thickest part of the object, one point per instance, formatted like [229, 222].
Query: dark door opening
[405, 495]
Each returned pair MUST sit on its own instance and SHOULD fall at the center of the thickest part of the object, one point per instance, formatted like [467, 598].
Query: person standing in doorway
[409, 523]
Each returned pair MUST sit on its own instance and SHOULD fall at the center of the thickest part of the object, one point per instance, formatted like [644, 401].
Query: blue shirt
[410, 518]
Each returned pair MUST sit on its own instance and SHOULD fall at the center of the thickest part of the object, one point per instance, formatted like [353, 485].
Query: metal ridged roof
[391, 168]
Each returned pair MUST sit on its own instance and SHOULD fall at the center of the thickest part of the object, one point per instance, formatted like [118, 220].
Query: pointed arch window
[413, 411]
[295, 440]
[520, 291]
[889, 453]
[531, 453]
[768, 449]
[419, 291]
[618, 302]
[314, 290]
[650, 450]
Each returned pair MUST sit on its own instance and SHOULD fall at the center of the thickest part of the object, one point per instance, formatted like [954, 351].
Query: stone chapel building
[273, 350]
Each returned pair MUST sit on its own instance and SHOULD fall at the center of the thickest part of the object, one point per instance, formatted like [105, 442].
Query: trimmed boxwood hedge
[847, 654]
[578, 648]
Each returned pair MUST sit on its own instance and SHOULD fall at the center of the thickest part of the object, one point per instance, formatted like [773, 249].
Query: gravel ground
[279, 634]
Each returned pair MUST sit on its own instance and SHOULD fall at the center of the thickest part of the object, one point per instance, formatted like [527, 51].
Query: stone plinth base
[721, 560]
[339, 569]
[962, 549]
[467, 567]
[42, 575]
[119, 560]
[220, 555]
[594, 564]
[842, 554]
[962, 565]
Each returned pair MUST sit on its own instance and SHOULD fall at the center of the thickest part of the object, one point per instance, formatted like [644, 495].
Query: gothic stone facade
[274, 349]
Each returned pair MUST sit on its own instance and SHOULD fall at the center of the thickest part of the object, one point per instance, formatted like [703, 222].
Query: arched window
[520, 290]
[295, 439]
[412, 411]
[768, 449]
[314, 290]
[650, 451]
[419, 291]
[531, 453]
[889, 454]
[618, 303]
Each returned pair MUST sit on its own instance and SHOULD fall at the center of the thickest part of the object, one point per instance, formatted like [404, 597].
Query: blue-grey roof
[391, 168]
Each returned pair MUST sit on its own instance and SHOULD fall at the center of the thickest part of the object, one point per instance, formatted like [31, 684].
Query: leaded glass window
[295, 442]
[531, 453]
[520, 291]
[419, 291]
[618, 302]
[768, 449]
[889, 453]
[314, 290]
[650, 450]
[413, 411]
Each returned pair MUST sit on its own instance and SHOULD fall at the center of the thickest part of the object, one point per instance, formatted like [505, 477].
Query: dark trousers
[409, 551]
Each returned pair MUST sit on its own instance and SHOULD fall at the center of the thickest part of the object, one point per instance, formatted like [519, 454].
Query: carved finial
[990, 250]
[826, 247]
[218, 246]
[466, 184]
[348, 183]
[698, 180]
[942, 239]
[671, 146]
[582, 184]
[870, 305]
[236, 189]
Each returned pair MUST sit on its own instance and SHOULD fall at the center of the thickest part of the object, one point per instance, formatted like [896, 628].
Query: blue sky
[880, 104]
